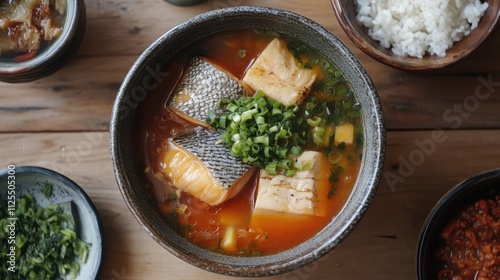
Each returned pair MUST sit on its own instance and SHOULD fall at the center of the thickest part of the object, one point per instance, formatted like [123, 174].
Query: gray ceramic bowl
[480, 186]
[244, 18]
[31, 179]
[54, 57]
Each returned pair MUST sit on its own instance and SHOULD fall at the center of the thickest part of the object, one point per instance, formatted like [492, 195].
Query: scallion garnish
[261, 131]
[46, 244]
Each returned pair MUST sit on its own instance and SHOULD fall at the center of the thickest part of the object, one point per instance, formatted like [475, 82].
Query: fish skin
[201, 88]
[215, 156]
[197, 164]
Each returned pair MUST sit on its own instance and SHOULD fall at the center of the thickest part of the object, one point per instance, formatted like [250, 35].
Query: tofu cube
[344, 133]
[275, 73]
[296, 195]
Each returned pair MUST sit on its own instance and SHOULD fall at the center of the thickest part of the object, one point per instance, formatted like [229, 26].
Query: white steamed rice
[414, 27]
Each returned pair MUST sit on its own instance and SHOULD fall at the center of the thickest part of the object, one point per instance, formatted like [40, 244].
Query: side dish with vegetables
[28, 26]
[470, 243]
[46, 243]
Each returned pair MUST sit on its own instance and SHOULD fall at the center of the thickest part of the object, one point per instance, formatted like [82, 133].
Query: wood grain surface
[61, 122]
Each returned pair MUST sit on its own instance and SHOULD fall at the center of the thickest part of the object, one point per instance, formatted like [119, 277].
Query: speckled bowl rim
[70, 184]
[440, 207]
[249, 266]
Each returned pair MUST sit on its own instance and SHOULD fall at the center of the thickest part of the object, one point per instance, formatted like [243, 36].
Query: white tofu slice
[296, 195]
[275, 72]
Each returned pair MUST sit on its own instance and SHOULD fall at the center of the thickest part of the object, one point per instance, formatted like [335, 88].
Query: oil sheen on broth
[263, 213]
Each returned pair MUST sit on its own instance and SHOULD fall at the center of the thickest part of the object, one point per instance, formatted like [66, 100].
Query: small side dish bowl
[52, 57]
[18, 181]
[482, 186]
[346, 12]
[129, 171]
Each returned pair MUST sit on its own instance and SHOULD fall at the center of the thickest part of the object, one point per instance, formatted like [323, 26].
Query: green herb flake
[261, 131]
[46, 243]
[332, 191]
[47, 190]
[171, 197]
[242, 53]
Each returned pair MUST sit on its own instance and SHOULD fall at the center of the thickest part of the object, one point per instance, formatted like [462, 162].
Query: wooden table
[61, 122]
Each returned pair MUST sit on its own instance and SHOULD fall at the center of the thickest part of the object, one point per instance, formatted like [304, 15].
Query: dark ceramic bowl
[56, 55]
[345, 11]
[31, 179]
[481, 186]
[171, 44]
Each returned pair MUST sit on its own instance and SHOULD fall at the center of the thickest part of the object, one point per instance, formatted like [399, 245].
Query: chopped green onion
[232, 107]
[271, 169]
[306, 165]
[236, 118]
[46, 244]
[335, 157]
[47, 190]
[247, 115]
[309, 107]
[261, 139]
[314, 122]
[296, 150]
[260, 130]
[318, 135]
[325, 64]
[283, 152]
[222, 121]
[283, 133]
[255, 148]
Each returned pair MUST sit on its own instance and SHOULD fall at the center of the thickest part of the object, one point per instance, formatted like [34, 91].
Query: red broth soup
[233, 227]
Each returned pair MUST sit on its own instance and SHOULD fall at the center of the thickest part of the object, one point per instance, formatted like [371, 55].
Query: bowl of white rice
[418, 35]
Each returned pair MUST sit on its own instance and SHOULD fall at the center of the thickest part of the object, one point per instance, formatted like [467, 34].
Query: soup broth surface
[206, 225]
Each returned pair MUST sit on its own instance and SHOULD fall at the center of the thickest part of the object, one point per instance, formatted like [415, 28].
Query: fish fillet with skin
[275, 73]
[201, 88]
[197, 164]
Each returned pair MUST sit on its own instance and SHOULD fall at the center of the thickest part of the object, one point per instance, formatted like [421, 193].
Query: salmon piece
[196, 164]
[275, 73]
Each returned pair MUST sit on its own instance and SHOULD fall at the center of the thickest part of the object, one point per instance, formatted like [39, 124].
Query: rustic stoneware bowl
[31, 179]
[244, 18]
[480, 186]
[56, 55]
[345, 11]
